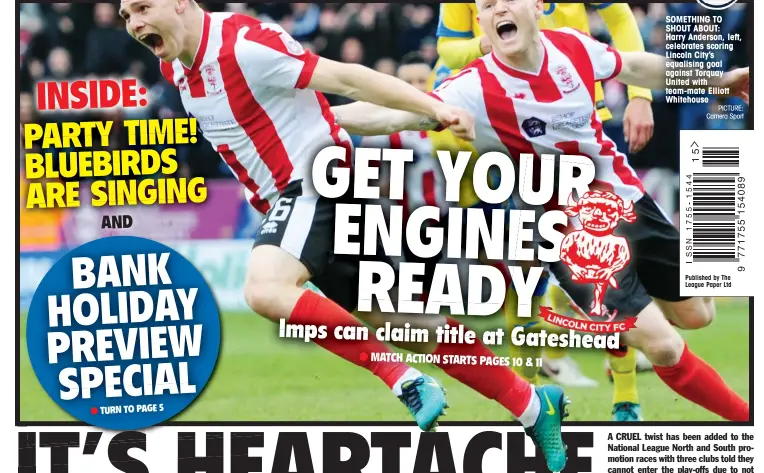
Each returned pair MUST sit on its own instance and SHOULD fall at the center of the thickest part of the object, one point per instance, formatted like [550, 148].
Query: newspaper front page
[502, 236]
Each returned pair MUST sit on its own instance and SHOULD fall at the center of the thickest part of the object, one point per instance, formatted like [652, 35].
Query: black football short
[303, 226]
[653, 271]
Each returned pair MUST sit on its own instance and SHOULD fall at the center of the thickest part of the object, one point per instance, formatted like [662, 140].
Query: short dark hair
[413, 58]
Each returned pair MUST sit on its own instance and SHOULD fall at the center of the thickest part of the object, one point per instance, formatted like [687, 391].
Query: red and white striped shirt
[425, 184]
[247, 90]
[547, 112]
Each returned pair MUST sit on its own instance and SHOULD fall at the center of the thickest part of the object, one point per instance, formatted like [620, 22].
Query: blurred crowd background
[62, 41]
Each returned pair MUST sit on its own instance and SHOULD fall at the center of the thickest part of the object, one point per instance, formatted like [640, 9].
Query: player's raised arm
[649, 70]
[366, 85]
[367, 119]
[638, 117]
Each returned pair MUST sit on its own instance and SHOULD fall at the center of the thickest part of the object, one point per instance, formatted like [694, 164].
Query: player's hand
[638, 123]
[464, 130]
[459, 121]
[738, 82]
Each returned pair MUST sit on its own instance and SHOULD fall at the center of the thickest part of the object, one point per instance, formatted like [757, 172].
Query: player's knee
[695, 313]
[261, 297]
[664, 351]
[710, 307]
[266, 290]
[698, 319]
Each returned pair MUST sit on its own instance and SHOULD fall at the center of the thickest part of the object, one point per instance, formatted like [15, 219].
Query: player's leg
[630, 299]
[293, 244]
[492, 381]
[539, 409]
[532, 324]
[683, 371]
[689, 314]
[622, 363]
[558, 365]
[656, 257]
[674, 363]
[529, 371]
[622, 367]
[626, 407]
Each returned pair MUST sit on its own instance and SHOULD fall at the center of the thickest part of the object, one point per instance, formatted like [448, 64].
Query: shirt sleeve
[268, 55]
[606, 61]
[459, 90]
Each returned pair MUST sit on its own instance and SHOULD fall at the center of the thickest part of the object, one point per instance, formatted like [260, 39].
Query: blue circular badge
[123, 333]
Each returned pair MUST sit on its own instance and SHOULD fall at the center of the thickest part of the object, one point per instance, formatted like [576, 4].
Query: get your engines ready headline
[378, 278]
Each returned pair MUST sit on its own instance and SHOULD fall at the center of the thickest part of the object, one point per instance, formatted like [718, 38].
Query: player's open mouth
[153, 41]
[506, 30]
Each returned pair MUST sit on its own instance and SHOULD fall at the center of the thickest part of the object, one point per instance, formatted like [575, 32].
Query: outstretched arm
[455, 93]
[366, 119]
[367, 85]
[649, 71]
[277, 60]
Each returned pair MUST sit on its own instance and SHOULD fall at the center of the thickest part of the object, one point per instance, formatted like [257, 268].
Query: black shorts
[303, 226]
[653, 271]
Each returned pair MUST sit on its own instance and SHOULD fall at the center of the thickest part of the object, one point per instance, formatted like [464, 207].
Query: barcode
[714, 217]
[718, 157]
[717, 206]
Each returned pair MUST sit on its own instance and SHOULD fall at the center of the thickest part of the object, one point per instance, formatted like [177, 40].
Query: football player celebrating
[260, 94]
[461, 41]
[527, 73]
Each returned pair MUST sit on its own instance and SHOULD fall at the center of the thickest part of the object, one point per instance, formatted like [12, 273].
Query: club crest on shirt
[534, 127]
[213, 81]
[569, 83]
[292, 45]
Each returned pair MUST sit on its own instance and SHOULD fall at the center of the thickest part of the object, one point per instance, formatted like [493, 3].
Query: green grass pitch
[262, 378]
